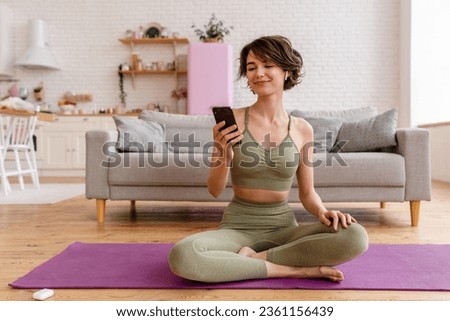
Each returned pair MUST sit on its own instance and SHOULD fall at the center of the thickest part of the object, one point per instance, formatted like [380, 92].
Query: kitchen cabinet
[61, 146]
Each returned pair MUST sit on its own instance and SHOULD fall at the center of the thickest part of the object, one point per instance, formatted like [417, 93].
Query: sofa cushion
[185, 133]
[368, 134]
[345, 114]
[325, 132]
[359, 169]
[182, 169]
[327, 123]
[137, 135]
[159, 169]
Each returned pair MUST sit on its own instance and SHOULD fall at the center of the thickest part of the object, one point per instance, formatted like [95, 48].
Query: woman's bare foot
[246, 251]
[324, 272]
[328, 272]
[276, 270]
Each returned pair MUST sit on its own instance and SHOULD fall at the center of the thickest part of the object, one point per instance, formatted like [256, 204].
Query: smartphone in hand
[224, 113]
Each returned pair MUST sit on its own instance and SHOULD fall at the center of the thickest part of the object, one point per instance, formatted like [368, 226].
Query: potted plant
[214, 31]
[123, 94]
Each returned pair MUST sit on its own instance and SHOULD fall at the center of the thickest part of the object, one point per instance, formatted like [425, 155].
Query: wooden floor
[32, 234]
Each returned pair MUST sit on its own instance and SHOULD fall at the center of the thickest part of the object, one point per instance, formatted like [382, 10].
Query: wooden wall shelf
[153, 72]
[174, 42]
[154, 41]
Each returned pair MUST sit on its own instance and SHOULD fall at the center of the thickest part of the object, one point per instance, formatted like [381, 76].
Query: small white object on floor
[43, 294]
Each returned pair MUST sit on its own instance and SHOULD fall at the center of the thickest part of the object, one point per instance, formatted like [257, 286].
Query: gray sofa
[178, 170]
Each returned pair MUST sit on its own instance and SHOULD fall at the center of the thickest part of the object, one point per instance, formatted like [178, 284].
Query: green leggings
[211, 256]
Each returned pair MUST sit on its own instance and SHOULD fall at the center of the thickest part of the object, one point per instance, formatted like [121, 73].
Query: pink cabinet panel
[210, 77]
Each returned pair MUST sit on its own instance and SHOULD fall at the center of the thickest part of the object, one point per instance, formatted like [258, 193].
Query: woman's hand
[221, 157]
[334, 217]
[225, 139]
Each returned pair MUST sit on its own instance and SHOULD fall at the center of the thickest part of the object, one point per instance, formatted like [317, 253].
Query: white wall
[430, 78]
[350, 47]
[440, 153]
[404, 117]
[430, 63]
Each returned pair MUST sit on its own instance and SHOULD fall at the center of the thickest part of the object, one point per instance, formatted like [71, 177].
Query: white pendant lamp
[38, 55]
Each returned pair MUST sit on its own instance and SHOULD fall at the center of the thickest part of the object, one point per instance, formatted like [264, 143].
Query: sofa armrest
[100, 145]
[414, 146]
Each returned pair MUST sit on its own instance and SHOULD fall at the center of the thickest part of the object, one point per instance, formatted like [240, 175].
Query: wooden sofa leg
[382, 204]
[101, 210]
[133, 213]
[414, 207]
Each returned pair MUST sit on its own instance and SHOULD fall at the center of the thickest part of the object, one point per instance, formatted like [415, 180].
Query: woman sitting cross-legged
[259, 236]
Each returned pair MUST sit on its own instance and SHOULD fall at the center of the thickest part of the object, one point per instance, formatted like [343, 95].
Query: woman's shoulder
[239, 114]
[301, 125]
[239, 110]
[301, 131]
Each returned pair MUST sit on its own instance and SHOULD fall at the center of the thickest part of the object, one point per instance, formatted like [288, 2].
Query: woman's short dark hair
[276, 49]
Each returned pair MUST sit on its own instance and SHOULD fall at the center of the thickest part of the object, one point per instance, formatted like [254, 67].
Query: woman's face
[264, 77]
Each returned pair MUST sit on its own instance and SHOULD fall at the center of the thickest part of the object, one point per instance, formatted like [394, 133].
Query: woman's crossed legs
[307, 251]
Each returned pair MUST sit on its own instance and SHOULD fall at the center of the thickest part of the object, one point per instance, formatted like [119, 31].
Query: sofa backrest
[184, 133]
[193, 133]
[355, 114]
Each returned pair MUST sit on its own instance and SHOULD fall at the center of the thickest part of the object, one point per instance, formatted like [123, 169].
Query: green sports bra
[255, 166]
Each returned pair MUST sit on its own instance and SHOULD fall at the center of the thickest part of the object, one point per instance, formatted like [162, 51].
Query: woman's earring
[286, 77]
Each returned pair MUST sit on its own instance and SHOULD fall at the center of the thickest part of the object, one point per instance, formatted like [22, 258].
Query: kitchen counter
[95, 115]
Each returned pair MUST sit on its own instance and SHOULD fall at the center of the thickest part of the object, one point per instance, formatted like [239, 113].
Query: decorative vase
[217, 39]
[182, 106]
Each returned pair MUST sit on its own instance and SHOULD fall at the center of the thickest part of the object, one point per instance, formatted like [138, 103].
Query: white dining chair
[18, 141]
[3, 178]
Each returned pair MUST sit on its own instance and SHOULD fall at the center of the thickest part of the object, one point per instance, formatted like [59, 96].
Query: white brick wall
[350, 47]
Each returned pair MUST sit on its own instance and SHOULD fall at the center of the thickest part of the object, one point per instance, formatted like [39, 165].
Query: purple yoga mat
[144, 266]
